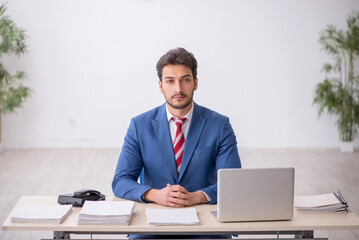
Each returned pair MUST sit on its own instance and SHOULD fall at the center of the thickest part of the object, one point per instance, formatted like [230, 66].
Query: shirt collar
[188, 115]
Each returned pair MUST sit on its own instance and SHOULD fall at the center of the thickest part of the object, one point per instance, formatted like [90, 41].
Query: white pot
[347, 147]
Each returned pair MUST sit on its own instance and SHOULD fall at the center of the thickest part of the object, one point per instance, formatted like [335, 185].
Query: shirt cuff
[208, 198]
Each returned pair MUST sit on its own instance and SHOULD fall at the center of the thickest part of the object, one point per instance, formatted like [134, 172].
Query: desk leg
[305, 234]
[61, 235]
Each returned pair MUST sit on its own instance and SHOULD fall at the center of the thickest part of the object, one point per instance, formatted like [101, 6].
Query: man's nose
[178, 87]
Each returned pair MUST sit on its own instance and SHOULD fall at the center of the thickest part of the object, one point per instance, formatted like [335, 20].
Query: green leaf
[327, 68]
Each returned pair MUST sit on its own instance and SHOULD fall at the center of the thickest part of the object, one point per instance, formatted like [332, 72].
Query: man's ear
[195, 84]
[160, 85]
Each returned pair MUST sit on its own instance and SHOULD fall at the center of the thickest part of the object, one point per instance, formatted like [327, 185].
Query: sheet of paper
[316, 200]
[107, 208]
[42, 213]
[106, 212]
[183, 216]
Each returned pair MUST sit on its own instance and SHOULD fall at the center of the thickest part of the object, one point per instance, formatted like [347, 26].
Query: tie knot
[179, 121]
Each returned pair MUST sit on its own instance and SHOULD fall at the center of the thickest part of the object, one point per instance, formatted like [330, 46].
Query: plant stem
[345, 69]
[0, 126]
[350, 87]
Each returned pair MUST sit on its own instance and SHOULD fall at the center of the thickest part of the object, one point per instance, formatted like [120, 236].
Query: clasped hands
[174, 196]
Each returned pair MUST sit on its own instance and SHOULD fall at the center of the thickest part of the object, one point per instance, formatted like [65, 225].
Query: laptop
[264, 194]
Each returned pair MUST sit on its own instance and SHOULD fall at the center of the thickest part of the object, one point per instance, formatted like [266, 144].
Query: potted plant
[338, 94]
[12, 41]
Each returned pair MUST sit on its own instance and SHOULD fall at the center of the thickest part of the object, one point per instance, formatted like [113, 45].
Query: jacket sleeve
[129, 166]
[227, 156]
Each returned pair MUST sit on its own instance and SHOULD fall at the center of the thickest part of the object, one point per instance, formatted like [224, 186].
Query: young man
[179, 145]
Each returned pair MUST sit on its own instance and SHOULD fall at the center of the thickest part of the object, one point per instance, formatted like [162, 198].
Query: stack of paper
[42, 213]
[183, 216]
[105, 212]
[322, 203]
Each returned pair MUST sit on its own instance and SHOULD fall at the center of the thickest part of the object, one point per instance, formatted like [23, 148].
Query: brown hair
[177, 56]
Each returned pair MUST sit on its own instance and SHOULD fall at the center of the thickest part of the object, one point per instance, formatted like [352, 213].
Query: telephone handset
[78, 198]
[88, 194]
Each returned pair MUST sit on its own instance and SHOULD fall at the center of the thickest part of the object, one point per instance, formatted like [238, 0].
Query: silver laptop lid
[255, 194]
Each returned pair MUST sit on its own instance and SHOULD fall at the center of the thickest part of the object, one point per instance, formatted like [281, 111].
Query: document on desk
[183, 216]
[42, 213]
[321, 203]
[106, 212]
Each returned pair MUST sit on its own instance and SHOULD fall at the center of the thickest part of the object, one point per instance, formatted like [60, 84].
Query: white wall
[91, 65]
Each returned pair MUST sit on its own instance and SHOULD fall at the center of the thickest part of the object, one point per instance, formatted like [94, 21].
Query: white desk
[302, 225]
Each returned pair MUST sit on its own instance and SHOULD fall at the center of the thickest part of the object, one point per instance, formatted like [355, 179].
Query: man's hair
[177, 56]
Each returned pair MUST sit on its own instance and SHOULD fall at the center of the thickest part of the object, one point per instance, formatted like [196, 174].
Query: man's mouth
[179, 96]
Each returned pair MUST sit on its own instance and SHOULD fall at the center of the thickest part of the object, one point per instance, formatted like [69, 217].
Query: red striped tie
[178, 143]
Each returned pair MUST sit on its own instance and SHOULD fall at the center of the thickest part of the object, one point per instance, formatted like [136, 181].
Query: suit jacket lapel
[161, 128]
[194, 132]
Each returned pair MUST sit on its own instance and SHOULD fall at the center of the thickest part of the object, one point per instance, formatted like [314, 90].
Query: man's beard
[180, 106]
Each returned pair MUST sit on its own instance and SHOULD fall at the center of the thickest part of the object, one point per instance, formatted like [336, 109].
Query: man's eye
[187, 80]
[169, 81]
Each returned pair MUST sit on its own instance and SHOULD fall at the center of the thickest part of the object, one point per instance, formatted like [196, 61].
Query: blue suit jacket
[209, 146]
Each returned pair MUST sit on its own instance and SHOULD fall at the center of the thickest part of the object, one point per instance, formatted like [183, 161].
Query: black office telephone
[78, 198]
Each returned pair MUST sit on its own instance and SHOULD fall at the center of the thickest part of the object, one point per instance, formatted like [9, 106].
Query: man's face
[178, 86]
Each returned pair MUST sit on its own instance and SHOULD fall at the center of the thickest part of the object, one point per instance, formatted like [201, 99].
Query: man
[179, 146]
